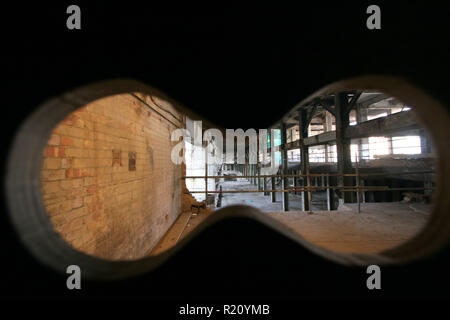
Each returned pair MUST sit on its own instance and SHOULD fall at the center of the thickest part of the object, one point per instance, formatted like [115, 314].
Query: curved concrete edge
[30, 219]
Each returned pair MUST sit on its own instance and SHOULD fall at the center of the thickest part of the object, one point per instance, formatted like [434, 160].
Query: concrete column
[330, 196]
[425, 143]
[427, 183]
[295, 182]
[363, 143]
[274, 187]
[389, 139]
[259, 179]
[273, 195]
[344, 159]
[284, 161]
[328, 125]
[265, 186]
[304, 157]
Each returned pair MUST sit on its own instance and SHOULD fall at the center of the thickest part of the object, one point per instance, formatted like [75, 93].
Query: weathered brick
[51, 175]
[66, 141]
[52, 163]
[76, 203]
[66, 162]
[61, 152]
[88, 143]
[92, 189]
[77, 183]
[75, 213]
[54, 140]
[72, 173]
[51, 152]
[92, 197]
[51, 187]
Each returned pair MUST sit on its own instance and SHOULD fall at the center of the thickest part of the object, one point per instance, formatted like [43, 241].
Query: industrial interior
[354, 173]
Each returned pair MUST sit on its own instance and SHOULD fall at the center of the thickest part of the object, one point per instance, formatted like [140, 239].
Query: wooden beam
[364, 103]
[322, 138]
[329, 109]
[310, 115]
[397, 124]
[384, 126]
[352, 102]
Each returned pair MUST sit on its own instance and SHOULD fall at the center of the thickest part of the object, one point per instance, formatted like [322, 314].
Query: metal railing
[308, 188]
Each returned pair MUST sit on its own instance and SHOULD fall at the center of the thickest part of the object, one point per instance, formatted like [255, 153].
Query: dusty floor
[264, 203]
[379, 226]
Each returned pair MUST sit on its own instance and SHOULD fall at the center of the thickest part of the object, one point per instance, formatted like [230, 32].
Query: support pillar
[296, 182]
[304, 157]
[330, 196]
[259, 179]
[425, 143]
[344, 160]
[428, 183]
[284, 161]
[363, 143]
[265, 186]
[274, 187]
[273, 195]
[389, 139]
[328, 126]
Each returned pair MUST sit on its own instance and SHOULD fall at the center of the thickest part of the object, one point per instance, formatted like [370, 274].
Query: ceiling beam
[397, 124]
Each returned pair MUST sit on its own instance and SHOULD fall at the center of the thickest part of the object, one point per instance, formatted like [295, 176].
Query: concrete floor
[378, 227]
[264, 203]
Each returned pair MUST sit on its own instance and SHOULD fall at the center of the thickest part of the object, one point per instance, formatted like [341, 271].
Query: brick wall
[108, 183]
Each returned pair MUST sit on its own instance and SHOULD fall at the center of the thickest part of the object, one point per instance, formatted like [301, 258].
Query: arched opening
[30, 212]
[84, 152]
